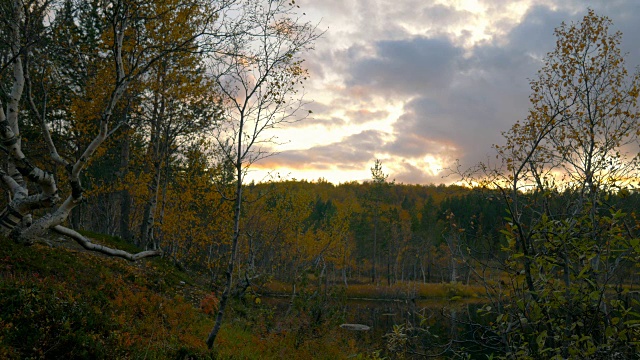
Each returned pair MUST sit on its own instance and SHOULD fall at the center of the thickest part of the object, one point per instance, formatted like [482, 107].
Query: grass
[401, 290]
[63, 302]
[238, 342]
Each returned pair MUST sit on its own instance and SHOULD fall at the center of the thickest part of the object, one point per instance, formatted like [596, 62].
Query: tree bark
[375, 240]
[148, 222]
[234, 244]
[125, 197]
[87, 244]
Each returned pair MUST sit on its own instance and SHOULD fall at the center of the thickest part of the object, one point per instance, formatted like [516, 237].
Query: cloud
[331, 122]
[364, 116]
[483, 92]
[405, 67]
[439, 16]
[412, 141]
[319, 114]
[352, 152]
[408, 173]
[455, 78]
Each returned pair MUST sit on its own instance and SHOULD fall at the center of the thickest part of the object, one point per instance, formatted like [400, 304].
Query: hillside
[61, 302]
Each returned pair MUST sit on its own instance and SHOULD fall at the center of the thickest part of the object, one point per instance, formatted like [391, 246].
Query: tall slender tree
[258, 73]
[379, 179]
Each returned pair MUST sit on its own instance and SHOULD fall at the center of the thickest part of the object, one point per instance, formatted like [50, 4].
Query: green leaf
[609, 331]
[541, 339]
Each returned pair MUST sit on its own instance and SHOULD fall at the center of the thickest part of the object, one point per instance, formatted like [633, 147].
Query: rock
[355, 327]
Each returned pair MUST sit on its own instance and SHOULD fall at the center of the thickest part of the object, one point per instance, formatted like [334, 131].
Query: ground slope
[62, 302]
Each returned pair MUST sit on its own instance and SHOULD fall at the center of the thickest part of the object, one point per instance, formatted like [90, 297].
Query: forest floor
[60, 301]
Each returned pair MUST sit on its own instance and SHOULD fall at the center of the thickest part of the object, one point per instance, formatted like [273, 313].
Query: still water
[431, 326]
[426, 326]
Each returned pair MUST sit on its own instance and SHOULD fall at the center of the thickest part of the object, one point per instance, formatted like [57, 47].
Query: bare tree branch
[87, 244]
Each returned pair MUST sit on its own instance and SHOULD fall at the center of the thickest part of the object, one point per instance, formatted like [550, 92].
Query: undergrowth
[60, 303]
[64, 303]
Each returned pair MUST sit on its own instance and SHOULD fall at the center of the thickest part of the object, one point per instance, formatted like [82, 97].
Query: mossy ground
[63, 302]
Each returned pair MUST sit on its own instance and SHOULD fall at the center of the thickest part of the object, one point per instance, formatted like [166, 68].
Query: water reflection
[430, 326]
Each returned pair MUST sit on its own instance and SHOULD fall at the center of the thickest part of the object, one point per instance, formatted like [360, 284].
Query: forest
[130, 229]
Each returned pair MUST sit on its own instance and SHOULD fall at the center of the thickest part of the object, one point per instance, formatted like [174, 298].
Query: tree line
[376, 232]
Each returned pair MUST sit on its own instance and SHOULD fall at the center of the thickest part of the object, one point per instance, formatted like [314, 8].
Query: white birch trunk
[20, 169]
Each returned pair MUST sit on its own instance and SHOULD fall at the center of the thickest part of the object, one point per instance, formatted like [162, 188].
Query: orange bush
[209, 304]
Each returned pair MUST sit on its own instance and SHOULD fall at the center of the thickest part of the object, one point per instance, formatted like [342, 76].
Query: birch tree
[258, 73]
[567, 240]
[39, 199]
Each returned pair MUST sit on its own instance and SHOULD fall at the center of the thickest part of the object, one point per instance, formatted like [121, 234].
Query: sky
[421, 84]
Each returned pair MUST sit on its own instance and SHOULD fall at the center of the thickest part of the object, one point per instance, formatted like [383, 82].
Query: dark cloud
[412, 146]
[534, 34]
[487, 91]
[406, 67]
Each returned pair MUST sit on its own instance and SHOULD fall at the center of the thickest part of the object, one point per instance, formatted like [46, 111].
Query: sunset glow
[419, 84]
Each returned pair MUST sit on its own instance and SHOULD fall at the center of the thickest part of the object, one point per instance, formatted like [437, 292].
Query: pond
[427, 326]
